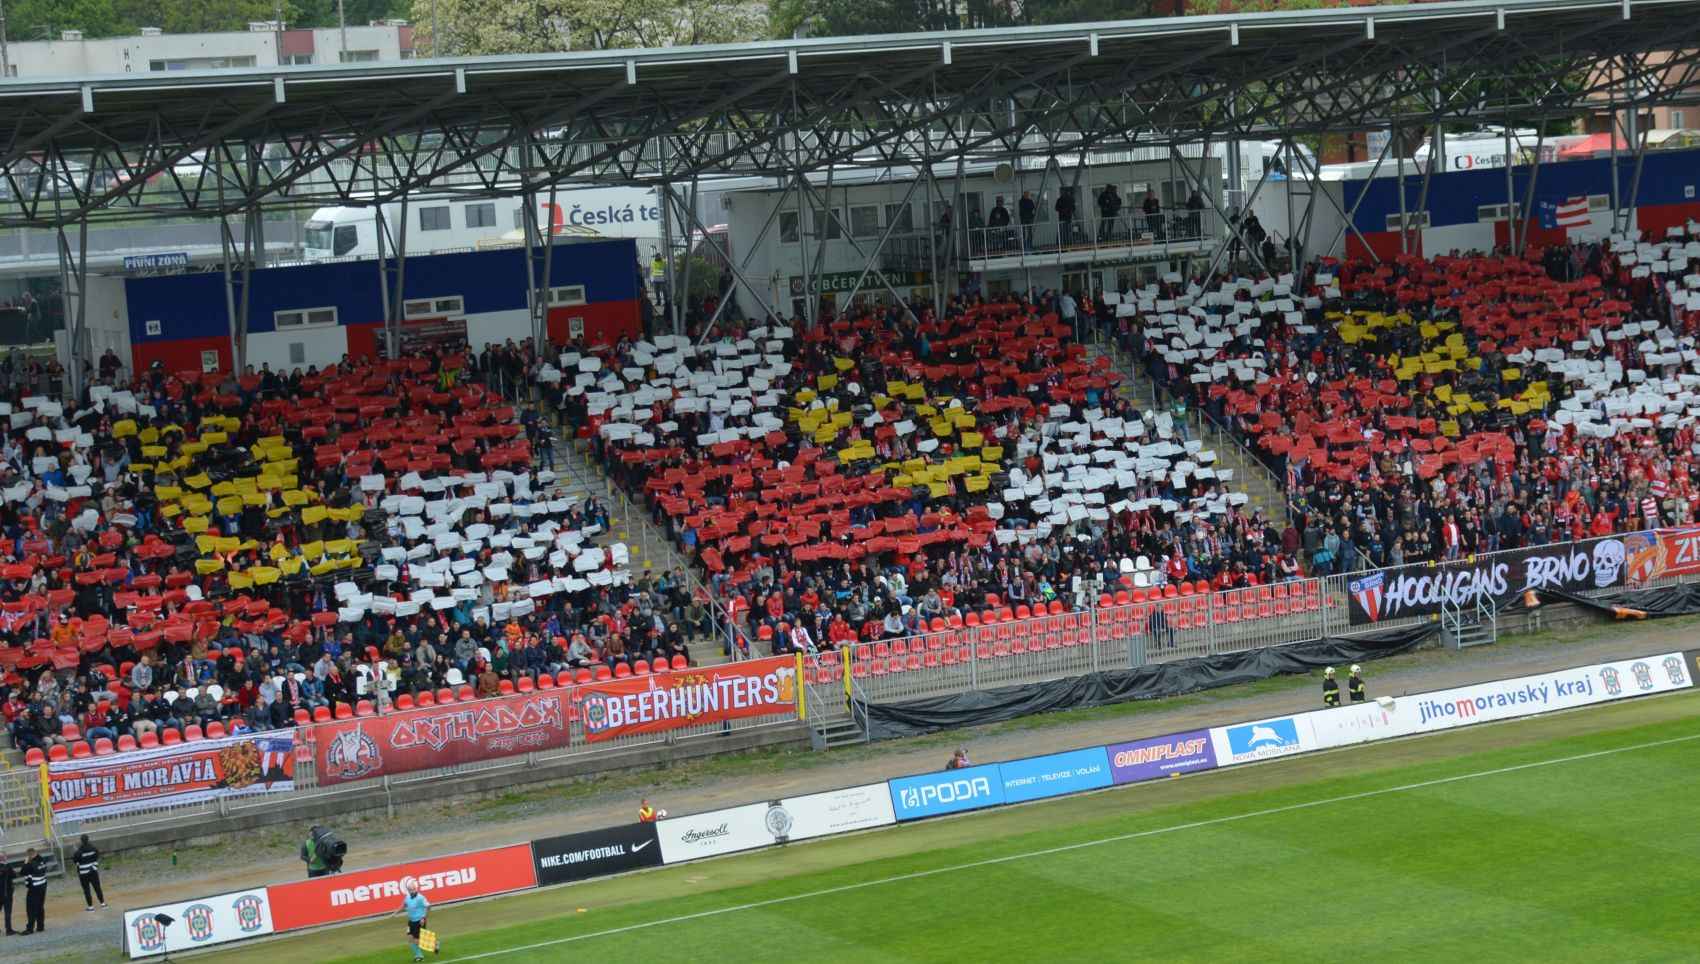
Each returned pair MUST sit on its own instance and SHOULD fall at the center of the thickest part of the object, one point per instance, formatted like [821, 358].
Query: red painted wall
[183, 355]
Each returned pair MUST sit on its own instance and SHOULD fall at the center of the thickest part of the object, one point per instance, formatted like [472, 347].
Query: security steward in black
[1355, 685]
[1330, 689]
[8, 879]
[88, 872]
[35, 892]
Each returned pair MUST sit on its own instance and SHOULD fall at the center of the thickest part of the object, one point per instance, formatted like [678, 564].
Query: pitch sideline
[1008, 858]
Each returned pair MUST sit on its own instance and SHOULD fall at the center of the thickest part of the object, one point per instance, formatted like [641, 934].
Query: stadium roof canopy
[215, 143]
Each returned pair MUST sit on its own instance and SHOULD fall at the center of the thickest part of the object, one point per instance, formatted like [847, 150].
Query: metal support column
[1520, 224]
[692, 223]
[738, 269]
[73, 285]
[1404, 219]
[868, 263]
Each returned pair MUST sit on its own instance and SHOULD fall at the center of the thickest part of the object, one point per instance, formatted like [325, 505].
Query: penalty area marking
[993, 861]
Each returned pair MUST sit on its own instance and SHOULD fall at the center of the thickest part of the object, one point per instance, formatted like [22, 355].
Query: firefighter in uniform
[1330, 689]
[8, 877]
[35, 892]
[1355, 685]
[88, 872]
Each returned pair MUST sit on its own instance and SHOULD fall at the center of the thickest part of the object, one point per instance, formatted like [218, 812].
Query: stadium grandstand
[511, 509]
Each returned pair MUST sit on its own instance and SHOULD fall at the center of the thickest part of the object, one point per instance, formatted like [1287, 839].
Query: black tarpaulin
[1153, 681]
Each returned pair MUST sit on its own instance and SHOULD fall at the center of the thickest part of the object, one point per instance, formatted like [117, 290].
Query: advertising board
[1161, 756]
[197, 923]
[421, 739]
[777, 821]
[1418, 589]
[952, 791]
[714, 833]
[1036, 778]
[835, 811]
[1262, 740]
[170, 775]
[595, 853]
[363, 893]
[668, 701]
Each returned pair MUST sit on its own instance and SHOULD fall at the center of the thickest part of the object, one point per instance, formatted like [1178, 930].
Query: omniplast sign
[364, 893]
[952, 791]
[1161, 756]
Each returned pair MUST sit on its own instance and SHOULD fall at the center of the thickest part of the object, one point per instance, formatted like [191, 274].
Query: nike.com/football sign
[595, 853]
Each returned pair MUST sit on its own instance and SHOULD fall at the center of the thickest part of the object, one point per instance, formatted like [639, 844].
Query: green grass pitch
[1566, 838]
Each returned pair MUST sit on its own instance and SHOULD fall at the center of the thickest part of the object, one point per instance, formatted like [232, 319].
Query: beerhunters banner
[1419, 589]
[168, 775]
[435, 736]
[667, 701]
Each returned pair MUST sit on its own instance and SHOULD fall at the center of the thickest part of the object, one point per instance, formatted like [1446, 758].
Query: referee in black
[1330, 689]
[1355, 685]
[35, 892]
[88, 872]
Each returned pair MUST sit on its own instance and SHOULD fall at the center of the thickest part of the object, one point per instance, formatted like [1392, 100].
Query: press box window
[481, 215]
[304, 316]
[434, 219]
[434, 307]
[570, 295]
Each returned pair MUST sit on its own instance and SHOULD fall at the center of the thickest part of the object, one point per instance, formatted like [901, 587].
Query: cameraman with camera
[323, 852]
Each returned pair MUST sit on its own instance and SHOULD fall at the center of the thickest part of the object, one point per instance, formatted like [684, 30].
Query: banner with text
[1161, 756]
[434, 736]
[775, 822]
[1053, 775]
[171, 775]
[595, 853]
[1648, 555]
[1420, 588]
[710, 694]
[1501, 700]
[364, 893]
[197, 923]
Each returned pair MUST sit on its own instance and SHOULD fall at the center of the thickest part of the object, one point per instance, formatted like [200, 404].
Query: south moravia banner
[173, 775]
[1419, 589]
[668, 701]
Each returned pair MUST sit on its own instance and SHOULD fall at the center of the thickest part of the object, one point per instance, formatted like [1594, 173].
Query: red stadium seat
[57, 753]
[126, 743]
[34, 757]
[148, 741]
[363, 708]
[80, 750]
[102, 746]
[680, 662]
[192, 732]
[215, 730]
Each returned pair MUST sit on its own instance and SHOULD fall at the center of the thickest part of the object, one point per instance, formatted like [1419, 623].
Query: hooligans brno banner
[668, 701]
[183, 773]
[437, 736]
[1419, 589]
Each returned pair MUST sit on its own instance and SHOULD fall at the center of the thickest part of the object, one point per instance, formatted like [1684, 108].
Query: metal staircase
[1469, 624]
[834, 720]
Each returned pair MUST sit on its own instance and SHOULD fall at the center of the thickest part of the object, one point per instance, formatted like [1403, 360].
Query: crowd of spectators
[1425, 410]
[201, 554]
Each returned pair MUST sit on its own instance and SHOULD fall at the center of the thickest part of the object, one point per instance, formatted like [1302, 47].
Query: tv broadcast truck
[444, 222]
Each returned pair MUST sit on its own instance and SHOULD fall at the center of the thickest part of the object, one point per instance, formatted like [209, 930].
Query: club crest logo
[1613, 681]
[198, 919]
[149, 935]
[1674, 669]
[1643, 675]
[1368, 592]
[249, 913]
[351, 755]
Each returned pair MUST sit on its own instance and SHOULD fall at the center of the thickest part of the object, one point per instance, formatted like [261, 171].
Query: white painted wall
[124, 55]
[321, 345]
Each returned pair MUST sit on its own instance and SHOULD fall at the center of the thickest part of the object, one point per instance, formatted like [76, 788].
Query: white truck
[444, 222]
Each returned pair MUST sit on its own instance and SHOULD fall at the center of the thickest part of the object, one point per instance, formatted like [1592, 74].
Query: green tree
[479, 27]
[43, 19]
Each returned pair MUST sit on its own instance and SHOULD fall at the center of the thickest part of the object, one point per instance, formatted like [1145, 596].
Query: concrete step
[1262, 489]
